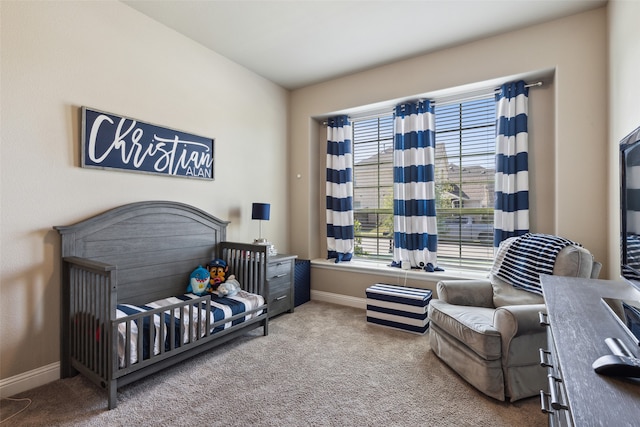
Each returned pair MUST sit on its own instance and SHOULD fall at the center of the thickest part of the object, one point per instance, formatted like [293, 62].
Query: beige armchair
[489, 332]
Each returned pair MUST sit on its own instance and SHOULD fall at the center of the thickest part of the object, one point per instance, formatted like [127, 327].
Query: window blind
[465, 177]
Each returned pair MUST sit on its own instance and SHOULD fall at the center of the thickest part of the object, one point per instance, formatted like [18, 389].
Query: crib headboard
[154, 244]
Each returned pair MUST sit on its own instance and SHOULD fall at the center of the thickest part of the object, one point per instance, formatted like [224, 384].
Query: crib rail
[169, 330]
[248, 263]
[158, 333]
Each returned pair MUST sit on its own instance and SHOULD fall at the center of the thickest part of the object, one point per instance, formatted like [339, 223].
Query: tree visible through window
[464, 173]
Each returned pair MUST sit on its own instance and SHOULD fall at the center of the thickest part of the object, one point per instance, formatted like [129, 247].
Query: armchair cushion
[472, 326]
[505, 294]
[476, 293]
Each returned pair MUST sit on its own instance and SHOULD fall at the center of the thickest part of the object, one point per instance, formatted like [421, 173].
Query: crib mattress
[221, 308]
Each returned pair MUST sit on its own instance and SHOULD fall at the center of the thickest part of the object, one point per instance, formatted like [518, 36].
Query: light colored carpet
[323, 365]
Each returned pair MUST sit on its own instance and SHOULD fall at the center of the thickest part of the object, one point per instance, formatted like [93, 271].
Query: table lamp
[261, 211]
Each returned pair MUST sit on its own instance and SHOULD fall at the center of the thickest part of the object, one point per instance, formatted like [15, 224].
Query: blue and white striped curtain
[340, 231]
[414, 207]
[511, 214]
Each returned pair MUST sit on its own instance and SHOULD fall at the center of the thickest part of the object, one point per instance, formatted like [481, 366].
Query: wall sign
[115, 142]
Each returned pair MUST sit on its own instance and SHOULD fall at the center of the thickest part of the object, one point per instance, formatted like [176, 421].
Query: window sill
[382, 269]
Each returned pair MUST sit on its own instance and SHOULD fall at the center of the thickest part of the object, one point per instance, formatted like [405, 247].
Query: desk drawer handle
[544, 402]
[280, 275]
[543, 318]
[280, 298]
[553, 390]
[544, 360]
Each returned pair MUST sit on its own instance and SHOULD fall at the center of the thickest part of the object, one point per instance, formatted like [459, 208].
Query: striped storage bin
[398, 307]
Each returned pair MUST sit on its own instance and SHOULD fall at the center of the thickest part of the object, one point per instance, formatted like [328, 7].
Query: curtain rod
[458, 99]
[486, 95]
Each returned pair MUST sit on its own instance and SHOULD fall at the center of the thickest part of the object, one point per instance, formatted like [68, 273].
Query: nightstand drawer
[279, 284]
[279, 302]
[277, 270]
[279, 275]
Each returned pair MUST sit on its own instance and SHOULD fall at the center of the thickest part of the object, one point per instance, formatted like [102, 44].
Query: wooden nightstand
[280, 282]
[278, 273]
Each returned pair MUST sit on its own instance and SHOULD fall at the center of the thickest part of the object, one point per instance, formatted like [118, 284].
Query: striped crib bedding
[188, 321]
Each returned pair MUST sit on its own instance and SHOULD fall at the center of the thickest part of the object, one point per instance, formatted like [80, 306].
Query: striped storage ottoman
[398, 307]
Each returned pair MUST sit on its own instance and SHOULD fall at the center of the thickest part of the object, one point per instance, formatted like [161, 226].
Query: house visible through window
[464, 174]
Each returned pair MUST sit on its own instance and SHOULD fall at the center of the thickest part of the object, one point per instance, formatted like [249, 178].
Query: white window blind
[465, 176]
[373, 186]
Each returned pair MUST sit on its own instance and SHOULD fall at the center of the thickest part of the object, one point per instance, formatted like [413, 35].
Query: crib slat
[191, 332]
[172, 329]
[127, 344]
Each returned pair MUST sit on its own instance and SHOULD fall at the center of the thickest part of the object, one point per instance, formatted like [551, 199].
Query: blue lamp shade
[261, 211]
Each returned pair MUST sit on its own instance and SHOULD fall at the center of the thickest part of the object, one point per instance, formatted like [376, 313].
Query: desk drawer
[554, 401]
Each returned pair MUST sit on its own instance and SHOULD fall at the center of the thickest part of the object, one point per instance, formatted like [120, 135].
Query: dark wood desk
[579, 323]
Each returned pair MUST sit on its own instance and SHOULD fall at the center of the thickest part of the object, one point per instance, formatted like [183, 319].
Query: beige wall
[59, 56]
[624, 103]
[568, 186]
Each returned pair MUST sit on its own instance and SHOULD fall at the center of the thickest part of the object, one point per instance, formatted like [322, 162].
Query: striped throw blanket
[633, 258]
[521, 260]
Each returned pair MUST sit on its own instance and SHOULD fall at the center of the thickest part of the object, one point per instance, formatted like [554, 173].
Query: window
[464, 173]
[373, 187]
[465, 177]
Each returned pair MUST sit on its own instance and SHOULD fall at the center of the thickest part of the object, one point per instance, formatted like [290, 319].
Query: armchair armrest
[476, 293]
[516, 320]
[522, 336]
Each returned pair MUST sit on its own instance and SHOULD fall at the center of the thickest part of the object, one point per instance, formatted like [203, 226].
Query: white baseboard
[28, 380]
[339, 299]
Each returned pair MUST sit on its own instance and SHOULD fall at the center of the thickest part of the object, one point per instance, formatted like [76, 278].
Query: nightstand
[280, 281]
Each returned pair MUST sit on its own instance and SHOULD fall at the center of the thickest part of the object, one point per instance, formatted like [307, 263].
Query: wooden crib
[139, 253]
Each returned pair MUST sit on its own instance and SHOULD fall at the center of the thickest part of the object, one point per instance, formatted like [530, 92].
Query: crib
[125, 313]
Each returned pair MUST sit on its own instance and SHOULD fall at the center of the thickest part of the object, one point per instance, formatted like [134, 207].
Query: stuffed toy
[217, 270]
[199, 281]
[229, 288]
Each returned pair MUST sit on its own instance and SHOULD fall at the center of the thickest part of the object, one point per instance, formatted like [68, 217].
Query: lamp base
[270, 248]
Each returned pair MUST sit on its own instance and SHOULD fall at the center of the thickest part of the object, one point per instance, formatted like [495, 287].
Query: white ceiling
[300, 42]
